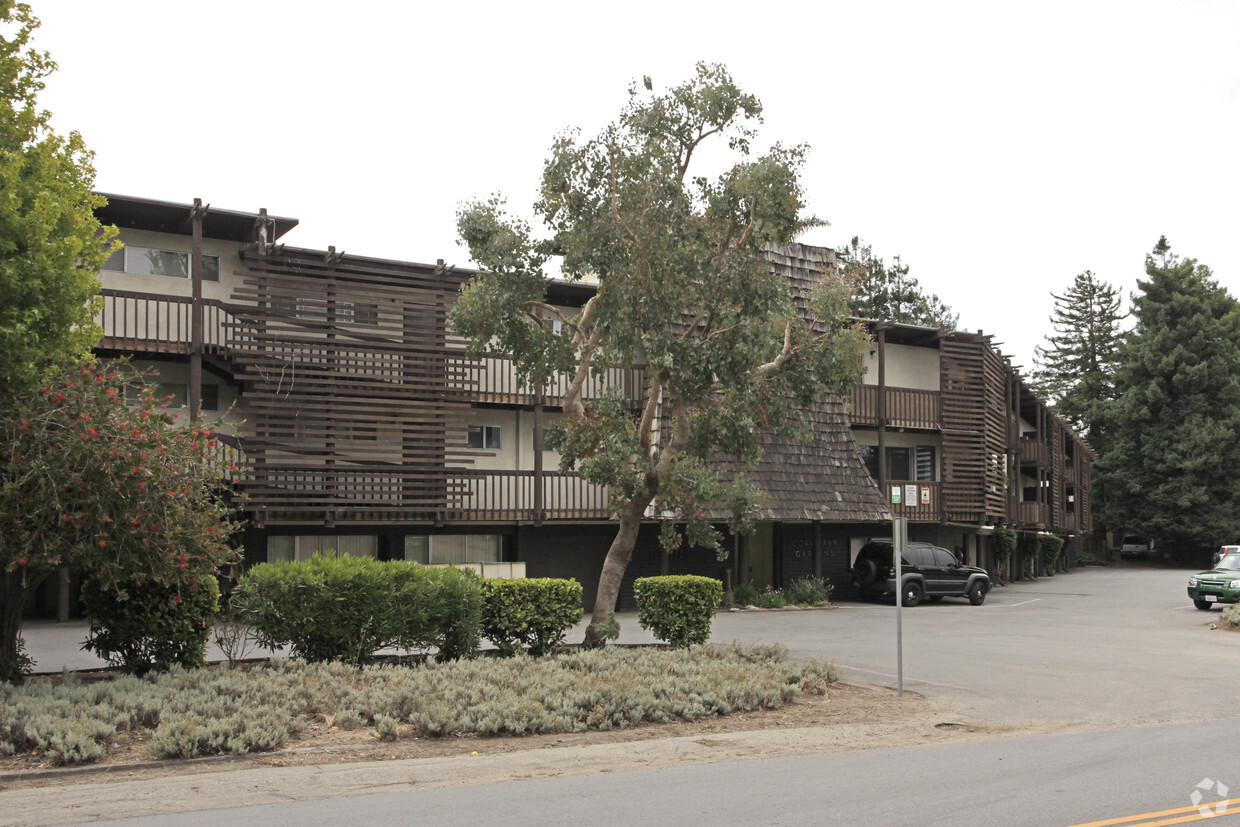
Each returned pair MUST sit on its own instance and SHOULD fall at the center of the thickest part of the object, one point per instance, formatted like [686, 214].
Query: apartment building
[359, 425]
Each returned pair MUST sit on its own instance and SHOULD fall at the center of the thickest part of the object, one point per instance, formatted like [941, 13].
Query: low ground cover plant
[186, 713]
[804, 591]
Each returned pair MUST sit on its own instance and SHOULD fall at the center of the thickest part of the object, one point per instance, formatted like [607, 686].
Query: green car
[1219, 585]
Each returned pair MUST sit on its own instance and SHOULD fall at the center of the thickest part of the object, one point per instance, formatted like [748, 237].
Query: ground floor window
[452, 549]
[303, 547]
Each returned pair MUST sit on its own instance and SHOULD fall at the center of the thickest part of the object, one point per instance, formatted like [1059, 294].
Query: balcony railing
[494, 379]
[906, 407]
[150, 323]
[509, 495]
[1033, 452]
[1035, 513]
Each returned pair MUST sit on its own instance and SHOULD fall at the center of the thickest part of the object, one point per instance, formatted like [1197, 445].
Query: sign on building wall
[895, 495]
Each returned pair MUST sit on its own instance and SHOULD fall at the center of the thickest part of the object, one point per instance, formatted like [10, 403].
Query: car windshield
[1229, 563]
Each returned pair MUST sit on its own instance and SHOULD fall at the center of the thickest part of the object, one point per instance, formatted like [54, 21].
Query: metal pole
[899, 529]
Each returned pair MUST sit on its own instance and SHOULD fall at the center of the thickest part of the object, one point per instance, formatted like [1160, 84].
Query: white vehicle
[1224, 551]
[1134, 545]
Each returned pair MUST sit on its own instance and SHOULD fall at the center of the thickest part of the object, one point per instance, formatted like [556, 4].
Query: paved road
[1059, 779]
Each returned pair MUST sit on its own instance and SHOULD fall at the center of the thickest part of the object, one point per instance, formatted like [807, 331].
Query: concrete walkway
[56, 647]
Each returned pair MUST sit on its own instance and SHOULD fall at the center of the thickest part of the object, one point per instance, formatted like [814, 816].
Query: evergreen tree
[1173, 446]
[1075, 369]
[683, 285]
[889, 292]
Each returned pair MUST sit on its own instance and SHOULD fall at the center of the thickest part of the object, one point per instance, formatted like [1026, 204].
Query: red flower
[176, 599]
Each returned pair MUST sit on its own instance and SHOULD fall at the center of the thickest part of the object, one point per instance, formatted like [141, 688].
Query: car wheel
[1205, 606]
[865, 572]
[977, 593]
[912, 593]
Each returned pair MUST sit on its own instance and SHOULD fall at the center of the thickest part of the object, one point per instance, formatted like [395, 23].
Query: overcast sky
[998, 148]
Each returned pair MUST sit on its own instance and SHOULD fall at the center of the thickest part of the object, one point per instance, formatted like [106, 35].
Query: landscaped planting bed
[188, 713]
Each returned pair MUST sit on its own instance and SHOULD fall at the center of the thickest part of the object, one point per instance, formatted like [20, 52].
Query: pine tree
[1172, 447]
[1075, 369]
[889, 292]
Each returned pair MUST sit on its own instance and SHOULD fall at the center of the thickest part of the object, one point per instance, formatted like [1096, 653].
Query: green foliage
[1169, 469]
[1004, 542]
[678, 609]
[120, 490]
[184, 714]
[1051, 548]
[531, 615]
[151, 625]
[347, 608]
[1230, 616]
[889, 292]
[1075, 369]
[770, 599]
[683, 287]
[808, 590]
[51, 245]
[746, 595]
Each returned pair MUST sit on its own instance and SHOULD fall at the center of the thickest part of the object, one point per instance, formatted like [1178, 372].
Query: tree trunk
[15, 593]
[614, 566]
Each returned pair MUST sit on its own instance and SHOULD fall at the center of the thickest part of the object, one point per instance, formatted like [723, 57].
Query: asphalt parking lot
[1122, 645]
[1116, 645]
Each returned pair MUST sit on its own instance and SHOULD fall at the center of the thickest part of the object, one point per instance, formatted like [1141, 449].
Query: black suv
[928, 571]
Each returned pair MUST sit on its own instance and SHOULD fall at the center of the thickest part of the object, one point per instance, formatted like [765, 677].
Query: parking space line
[1024, 602]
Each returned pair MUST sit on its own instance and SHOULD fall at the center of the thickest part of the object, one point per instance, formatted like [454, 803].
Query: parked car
[1134, 545]
[927, 571]
[1224, 551]
[1220, 584]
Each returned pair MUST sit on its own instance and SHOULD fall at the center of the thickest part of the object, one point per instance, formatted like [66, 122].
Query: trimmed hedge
[151, 626]
[347, 608]
[679, 608]
[533, 614]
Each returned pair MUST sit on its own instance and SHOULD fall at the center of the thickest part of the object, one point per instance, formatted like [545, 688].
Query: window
[452, 549]
[898, 464]
[869, 455]
[358, 313]
[486, 437]
[303, 547]
[902, 462]
[151, 262]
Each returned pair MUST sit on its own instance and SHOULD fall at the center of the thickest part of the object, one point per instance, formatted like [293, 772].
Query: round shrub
[678, 608]
[533, 614]
[151, 626]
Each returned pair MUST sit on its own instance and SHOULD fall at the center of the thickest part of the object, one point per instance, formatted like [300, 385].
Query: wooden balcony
[926, 506]
[494, 380]
[1033, 452]
[906, 407]
[150, 323]
[1038, 514]
[348, 495]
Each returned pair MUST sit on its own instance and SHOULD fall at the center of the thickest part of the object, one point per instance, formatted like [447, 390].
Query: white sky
[999, 148]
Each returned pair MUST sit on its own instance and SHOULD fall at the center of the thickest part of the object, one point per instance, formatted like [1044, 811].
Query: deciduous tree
[683, 288]
[1172, 451]
[51, 245]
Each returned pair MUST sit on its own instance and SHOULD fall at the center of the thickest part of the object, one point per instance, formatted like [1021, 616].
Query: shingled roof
[823, 478]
